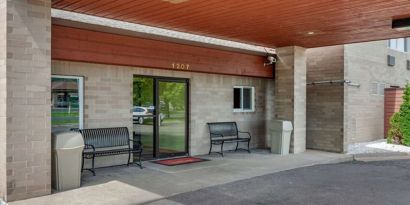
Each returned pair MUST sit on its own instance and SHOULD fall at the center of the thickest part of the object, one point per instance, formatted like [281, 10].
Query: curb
[367, 157]
[346, 158]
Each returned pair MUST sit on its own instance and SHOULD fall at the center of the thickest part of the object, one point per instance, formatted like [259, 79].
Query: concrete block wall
[3, 97]
[25, 80]
[290, 93]
[366, 64]
[363, 107]
[108, 99]
[325, 105]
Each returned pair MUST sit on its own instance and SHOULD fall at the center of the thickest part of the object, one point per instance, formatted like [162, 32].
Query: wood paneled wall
[74, 44]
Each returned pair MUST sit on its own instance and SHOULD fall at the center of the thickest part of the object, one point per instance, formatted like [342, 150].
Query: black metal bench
[226, 132]
[103, 142]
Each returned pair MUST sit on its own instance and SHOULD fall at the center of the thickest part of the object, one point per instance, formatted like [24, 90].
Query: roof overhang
[273, 23]
[72, 19]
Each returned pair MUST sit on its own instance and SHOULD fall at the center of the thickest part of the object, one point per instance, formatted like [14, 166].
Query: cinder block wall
[3, 97]
[366, 64]
[108, 99]
[325, 102]
[341, 115]
[290, 93]
[25, 80]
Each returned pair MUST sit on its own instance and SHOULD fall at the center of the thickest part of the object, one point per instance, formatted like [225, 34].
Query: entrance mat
[180, 161]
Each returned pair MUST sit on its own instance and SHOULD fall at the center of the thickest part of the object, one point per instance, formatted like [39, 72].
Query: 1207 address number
[180, 66]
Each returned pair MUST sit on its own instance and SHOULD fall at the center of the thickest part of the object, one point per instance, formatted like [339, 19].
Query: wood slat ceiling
[273, 23]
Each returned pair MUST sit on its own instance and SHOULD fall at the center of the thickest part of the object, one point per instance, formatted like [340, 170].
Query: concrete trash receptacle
[66, 160]
[281, 132]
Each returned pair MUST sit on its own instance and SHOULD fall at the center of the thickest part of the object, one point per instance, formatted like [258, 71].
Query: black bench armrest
[137, 142]
[89, 146]
[216, 134]
[249, 134]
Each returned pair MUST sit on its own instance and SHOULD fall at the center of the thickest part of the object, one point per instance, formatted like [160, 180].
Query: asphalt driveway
[352, 183]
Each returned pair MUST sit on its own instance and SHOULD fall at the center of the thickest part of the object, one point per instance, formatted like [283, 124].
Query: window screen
[247, 98]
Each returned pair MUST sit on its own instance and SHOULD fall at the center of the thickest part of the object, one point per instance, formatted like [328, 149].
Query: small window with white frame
[243, 99]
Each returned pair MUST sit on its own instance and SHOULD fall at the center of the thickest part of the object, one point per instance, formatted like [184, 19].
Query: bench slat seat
[226, 132]
[103, 153]
[233, 139]
[101, 142]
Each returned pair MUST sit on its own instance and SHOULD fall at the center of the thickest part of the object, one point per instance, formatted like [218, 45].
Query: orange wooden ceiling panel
[273, 23]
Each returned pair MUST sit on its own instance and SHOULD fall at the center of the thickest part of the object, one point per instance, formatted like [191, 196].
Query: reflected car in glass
[141, 114]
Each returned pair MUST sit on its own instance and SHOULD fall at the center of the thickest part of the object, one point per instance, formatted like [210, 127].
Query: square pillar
[25, 78]
[3, 95]
[290, 93]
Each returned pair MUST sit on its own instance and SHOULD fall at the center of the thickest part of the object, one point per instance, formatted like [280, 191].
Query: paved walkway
[131, 185]
[350, 183]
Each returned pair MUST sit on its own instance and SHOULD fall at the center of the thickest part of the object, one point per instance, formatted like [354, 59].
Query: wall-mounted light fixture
[401, 24]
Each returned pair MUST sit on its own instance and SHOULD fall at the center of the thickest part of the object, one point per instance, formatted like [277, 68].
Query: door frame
[157, 80]
[80, 95]
[156, 118]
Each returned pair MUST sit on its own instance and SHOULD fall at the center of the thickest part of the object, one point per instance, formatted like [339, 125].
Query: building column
[290, 93]
[25, 75]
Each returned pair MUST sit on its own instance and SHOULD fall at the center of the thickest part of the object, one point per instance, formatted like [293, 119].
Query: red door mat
[179, 161]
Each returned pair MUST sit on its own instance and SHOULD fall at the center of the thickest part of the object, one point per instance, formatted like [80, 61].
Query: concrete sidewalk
[131, 185]
[378, 150]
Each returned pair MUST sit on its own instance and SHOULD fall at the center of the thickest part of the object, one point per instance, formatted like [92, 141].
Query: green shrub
[404, 119]
[394, 135]
[399, 131]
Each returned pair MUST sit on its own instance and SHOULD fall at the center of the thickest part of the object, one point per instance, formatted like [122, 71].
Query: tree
[173, 97]
[171, 94]
[404, 121]
[399, 131]
[143, 94]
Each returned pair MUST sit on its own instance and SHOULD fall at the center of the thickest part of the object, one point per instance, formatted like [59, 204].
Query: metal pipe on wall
[333, 82]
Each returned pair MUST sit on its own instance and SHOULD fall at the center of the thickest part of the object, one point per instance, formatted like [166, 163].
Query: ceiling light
[401, 24]
[311, 33]
[175, 1]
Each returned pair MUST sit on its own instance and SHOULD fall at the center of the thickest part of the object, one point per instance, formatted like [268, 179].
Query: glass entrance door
[160, 116]
[172, 117]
